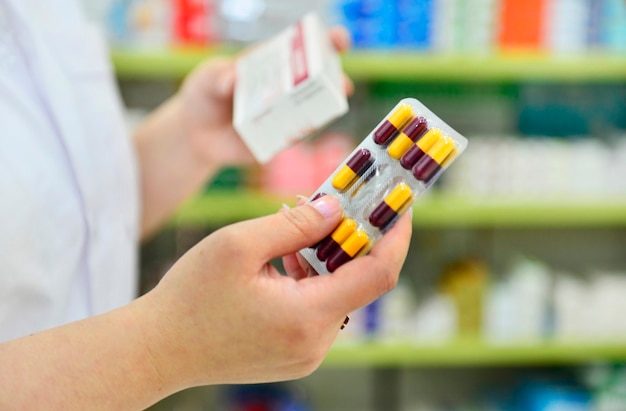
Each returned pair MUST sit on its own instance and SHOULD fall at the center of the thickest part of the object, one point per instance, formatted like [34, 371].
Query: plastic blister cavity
[381, 179]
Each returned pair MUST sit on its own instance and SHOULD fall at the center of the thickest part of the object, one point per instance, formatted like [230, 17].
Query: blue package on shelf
[546, 395]
[372, 23]
[255, 397]
[613, 35]
[372, 318]
[414, 23]
[374, 33]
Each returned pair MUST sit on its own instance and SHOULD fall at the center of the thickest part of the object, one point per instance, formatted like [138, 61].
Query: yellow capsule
[442, 150]
[430, 165]
[401, 115]
[399, 197]
[330, 244]
[355, 167]
[344, 177]
[417, 151]
[410, 134]
[400, 145]
[429, 139]
[345, 229]
[355, 243]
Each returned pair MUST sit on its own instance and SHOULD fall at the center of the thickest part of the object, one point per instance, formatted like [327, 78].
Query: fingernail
[326, 206]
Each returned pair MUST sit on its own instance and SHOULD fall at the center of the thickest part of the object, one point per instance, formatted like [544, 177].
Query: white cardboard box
[287, 88]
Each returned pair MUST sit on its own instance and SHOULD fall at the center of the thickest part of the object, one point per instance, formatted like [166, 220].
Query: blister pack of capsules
[381, 179]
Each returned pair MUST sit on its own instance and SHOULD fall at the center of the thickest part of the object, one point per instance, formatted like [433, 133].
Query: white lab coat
[68, 184]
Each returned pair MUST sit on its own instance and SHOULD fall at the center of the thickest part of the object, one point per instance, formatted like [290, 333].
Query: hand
[206, 101]
[223, 314]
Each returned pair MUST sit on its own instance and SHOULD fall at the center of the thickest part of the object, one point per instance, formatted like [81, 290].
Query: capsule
[318, 196]
[353, 169]
[409, 135]
[331, 243]
[348, 250]
[411, 157]
[395, 202]
[430, 164]
[393, 124]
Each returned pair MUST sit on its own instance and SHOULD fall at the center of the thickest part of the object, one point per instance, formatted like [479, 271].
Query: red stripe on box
[299, 65]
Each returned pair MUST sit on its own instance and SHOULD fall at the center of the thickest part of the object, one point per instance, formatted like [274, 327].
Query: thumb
[223, 73]
[290, 230]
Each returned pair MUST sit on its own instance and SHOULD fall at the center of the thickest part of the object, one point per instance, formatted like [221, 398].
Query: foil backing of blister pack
[381, 179]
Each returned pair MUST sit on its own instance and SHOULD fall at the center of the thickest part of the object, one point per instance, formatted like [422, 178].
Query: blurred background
[514, 292]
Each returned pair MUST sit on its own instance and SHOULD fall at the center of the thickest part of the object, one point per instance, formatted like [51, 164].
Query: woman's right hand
[224, 314]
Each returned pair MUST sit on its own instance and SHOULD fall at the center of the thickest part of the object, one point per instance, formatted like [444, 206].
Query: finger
[296, 266]
[361, 281]
[291, 263]
[291, 230]
[293, 267]
[340, 37]
[348, 85]
[222, 73]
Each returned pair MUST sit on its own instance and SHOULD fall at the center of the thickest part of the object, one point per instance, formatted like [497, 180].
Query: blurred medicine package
[287, 88]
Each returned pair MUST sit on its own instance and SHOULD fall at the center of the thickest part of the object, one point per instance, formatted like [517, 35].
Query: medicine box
[287, 88]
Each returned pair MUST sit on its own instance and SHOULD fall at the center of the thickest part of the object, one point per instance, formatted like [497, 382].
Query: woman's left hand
[206, 103]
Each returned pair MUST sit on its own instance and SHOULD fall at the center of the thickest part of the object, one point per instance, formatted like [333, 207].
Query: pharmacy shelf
[402, 65]
[472, 354]
[434, 210]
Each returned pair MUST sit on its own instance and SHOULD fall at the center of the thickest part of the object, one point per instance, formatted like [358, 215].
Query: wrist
[158, 349]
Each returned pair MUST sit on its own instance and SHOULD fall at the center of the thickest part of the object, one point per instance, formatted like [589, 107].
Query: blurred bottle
[141, 24]
[566, 26]
[193, 23]
[521, 24]
[465, 283]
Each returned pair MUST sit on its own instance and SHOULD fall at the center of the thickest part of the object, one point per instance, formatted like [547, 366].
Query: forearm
[169, 169]
[99, 363]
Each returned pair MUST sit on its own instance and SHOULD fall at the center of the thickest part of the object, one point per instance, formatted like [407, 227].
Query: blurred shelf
[402, 65]
[155, 64]
[434, 210]
[413, 66]
[472, 354]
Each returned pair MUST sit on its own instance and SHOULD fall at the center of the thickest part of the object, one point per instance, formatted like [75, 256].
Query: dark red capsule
[409, 135]
[393, 204]
[339, 235]
[411, 157]
[426, 168]
[416, 128]
[348, 250]
[430, 164]
[360, 161]
[318, 196]
[352, 170]
[384, 132]
[393, 124]
[325, 248]
[382, 215]
[337, 260]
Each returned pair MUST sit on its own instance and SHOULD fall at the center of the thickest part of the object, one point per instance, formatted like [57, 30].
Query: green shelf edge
[472, 354]
[435, 210]
[401, 65]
